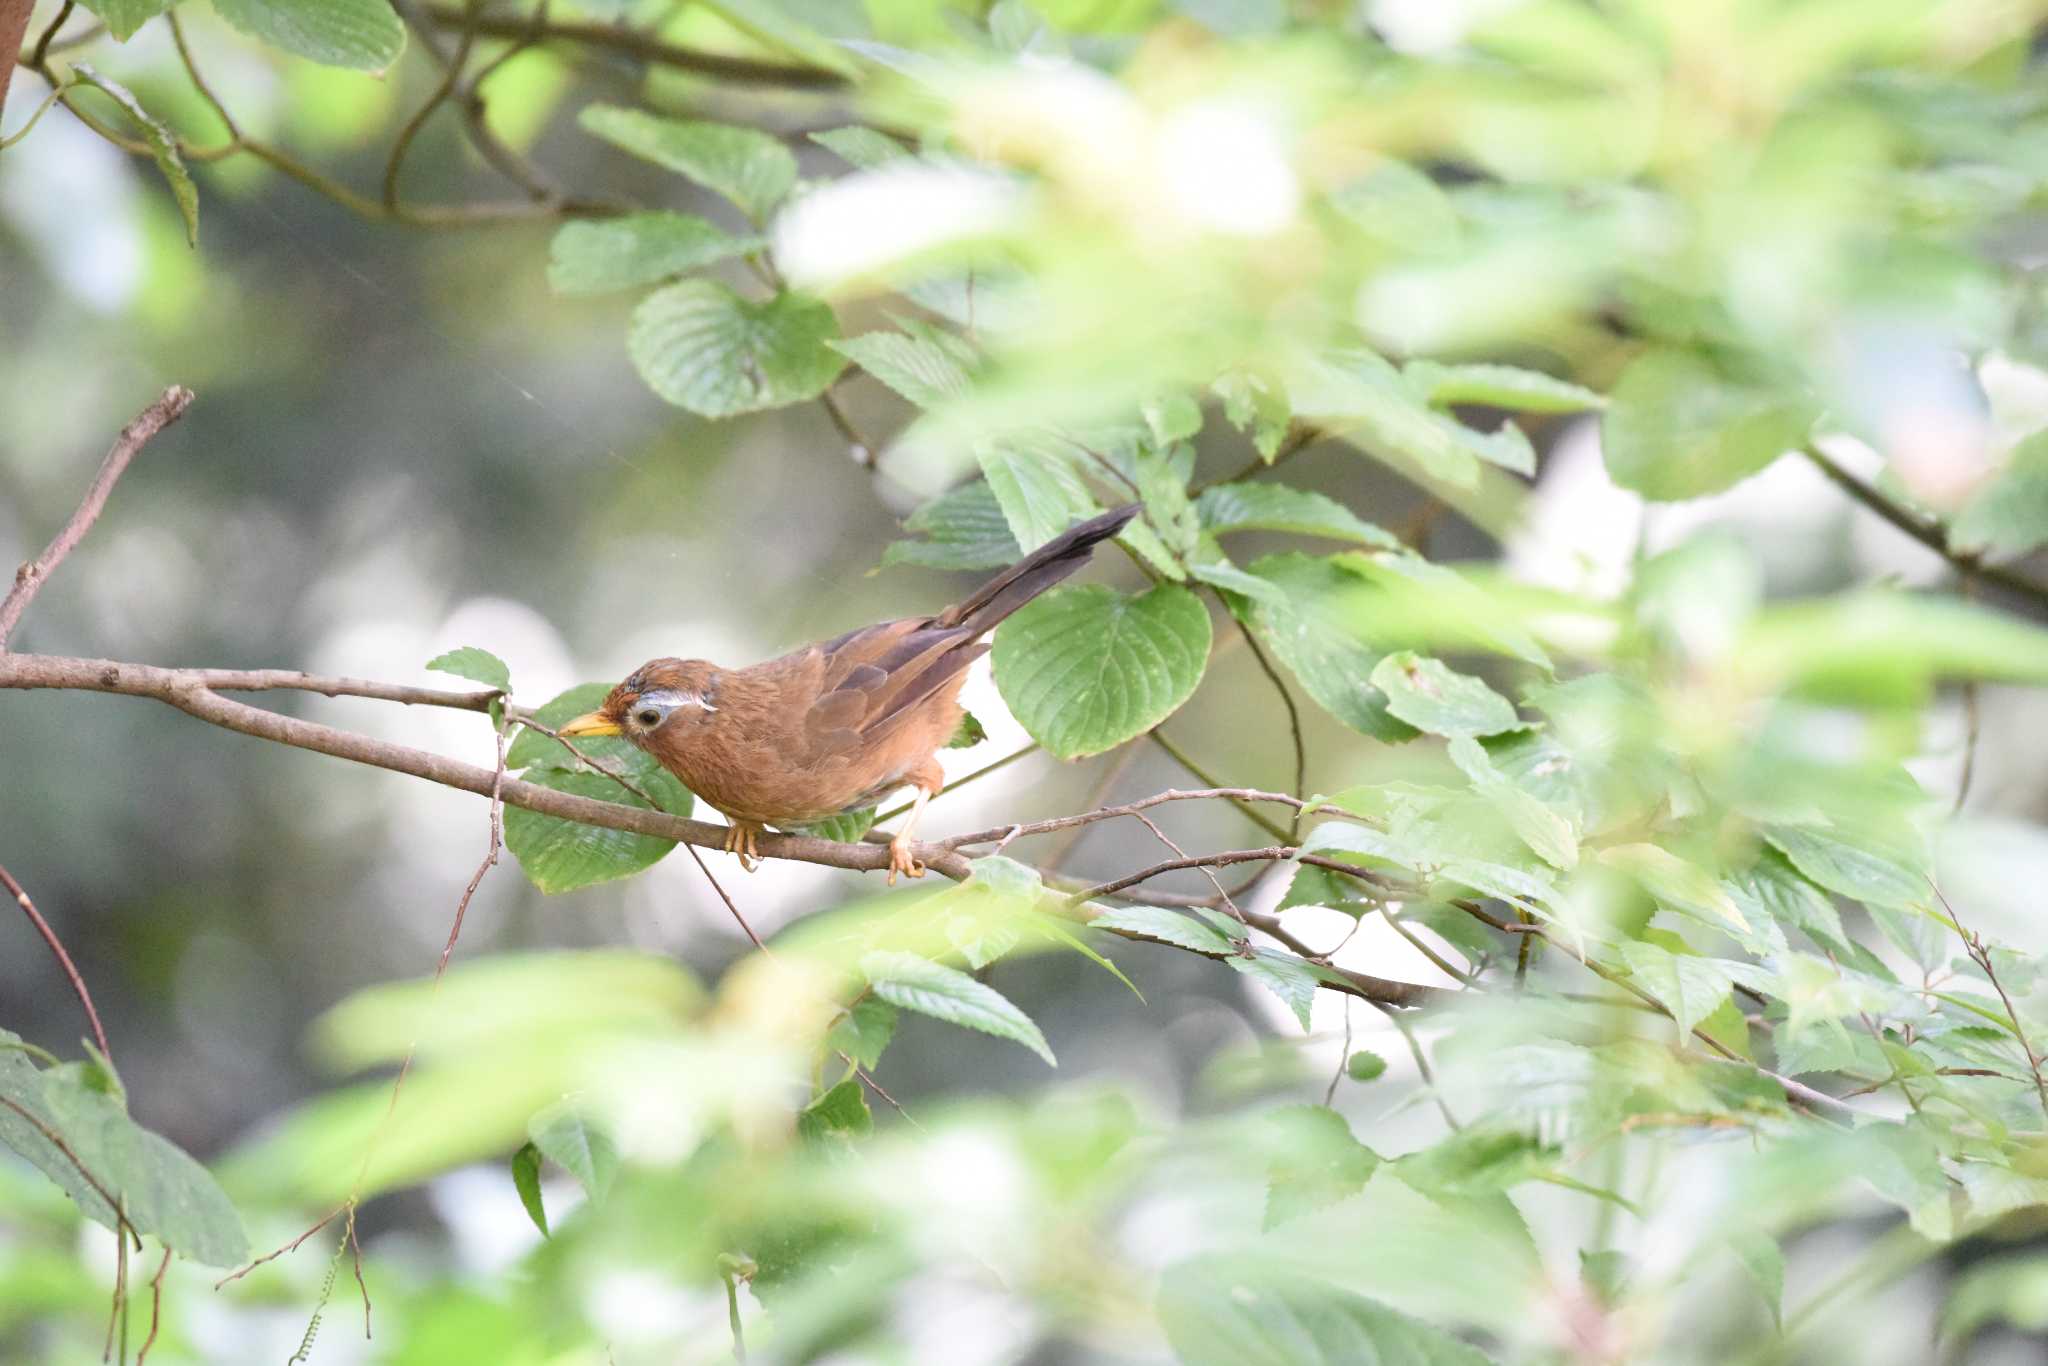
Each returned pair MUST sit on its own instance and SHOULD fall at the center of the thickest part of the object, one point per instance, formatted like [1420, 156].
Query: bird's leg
[900, 860]
[739, 840]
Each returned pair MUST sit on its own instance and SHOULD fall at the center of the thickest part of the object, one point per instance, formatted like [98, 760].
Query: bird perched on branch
[834, 726]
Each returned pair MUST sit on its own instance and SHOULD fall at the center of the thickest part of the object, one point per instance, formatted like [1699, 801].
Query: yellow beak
[590, 723]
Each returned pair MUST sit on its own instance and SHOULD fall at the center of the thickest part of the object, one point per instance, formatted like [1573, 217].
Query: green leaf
[1400, 206]
[1228, 1311]
[363, 34]
[1498, 386]
[568, 1139]
[747, 166]
[909, 982]
[1440, 701]
[1036, 485]
[1692, 987]
[1170, 927]
[163, 146]
[1313, 635]
[963, 529]
[596, 256]
[1548, 832]
[478, 666]
[1276, 507]
[531, 749]
[861, 147]
[2009, 515]
[1365, 1065]
[1313, 1161]
[841, 1112]
[526, 1180]
[704, 348]
[161, 1190]
[1084, 669]
[968, 734]
[926, 366]
[847, 827]
[1364, 399]
[1257, 406]
[863, 1032]
[560, 856]
[1762, 1258]
[1858, 871]
[1678, 428]
[1885, 648]
[1286, 976]
[1683, 886]
[124, 17]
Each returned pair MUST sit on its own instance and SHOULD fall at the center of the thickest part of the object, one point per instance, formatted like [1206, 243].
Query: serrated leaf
[746, 165]
[704, 348]
[1857, 871]
[1229, 1311]
[1314, 637]
[1402, 207]
[968, 733]
[1676, 427]
[1313, 1161]
[847, 827]
[1258, 407]
[1171, 927]
[560, 856]
[911, 983]
[163, 146]
[1438, 700]
[921, 369]
[595, 256]
[1286, 976]
[1692, 987]
[1222, 574]
[1886, 648]
[841, 1112]
[863, 1031]
[567, 1138]
[531, 749]
[1365, 1065]
[478, 666]
[526, 1180]
[124, 17]
[363, 34]
[963, 529]
[1548, 832]
[1276, 507]
[1498, 386]
[159, 1188]
[1037, 487]
[863, 148]
[1361, 397]
[1677, 883]
[1086, 668]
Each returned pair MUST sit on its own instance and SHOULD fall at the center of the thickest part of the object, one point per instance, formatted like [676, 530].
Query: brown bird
[834, 726]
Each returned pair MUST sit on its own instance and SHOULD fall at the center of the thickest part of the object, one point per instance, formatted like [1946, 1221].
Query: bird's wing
[879, 673]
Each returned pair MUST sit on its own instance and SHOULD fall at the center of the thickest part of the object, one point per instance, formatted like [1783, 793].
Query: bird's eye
[647, 716]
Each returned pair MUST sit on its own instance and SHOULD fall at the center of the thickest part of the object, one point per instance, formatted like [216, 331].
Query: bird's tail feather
[1036, 572]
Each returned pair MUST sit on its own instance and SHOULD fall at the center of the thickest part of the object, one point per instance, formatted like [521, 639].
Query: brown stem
[28, 580]
[63, 960]
[644, 47]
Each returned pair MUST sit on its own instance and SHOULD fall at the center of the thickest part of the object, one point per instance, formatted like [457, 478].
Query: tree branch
[28, 580]
[642, 46]
[49, 935]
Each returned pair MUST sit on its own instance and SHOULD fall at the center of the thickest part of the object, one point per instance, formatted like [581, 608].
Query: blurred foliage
[1712, 1008]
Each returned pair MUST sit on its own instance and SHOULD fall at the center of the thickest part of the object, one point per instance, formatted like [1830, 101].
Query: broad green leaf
[1086, 668]
[1677, 427]
[909, 982]
[704, 348]
[1361, 397]
[1692, 987]
[1475, 1161]
[1276, 507]
[124, 17]
[1498, 386]
[926, 367]
[561, 856]
[163, 145]
[1312, 1161]
[1315, 636]
[1547, 831]
[159, 1188]
[963, 529]
[478, 666]
[841, 1112]
[1400, 206]
[1762, 1258]
[531, 749]
[1677, 883]
[1861, 872]
[863, 1031]
[746, 165]
[526, 1180]
[1170, 927]
[1286, 976]
[846, 827]
[1885, 648]
[1231, 579]
[1037, 487]
[566, 1137]
[863, 148]
[1440, 701]
[364, 34]
[1163, 487]
[1365, 1065]
[596, 256]
[2009, 515]
[1230, 1311]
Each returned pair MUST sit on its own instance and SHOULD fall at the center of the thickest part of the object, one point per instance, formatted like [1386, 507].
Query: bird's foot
[740, 839]
[900, 860]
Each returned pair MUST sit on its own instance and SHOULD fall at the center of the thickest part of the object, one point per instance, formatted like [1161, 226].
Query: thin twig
[1972, 723]
[643, 47]
[1343, 1058]
[1181, 757]
[42, 51]
[1293, 715]
[1057, 853]
[49, 935]
[1980, 954]
[29, 579]
[995, 766]
[451, 75]
[292, 1246]
[156, 1307]
[476, 879]
[732, 1314]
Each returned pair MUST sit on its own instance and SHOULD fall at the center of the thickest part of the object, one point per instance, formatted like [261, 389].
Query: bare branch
[28, 580]
[643, 46]
[63, 960]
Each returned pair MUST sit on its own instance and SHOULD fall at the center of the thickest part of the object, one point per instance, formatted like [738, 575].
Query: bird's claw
[739, 841]
[901, 861]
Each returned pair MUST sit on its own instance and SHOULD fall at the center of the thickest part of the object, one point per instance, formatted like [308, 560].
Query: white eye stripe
[669, 698]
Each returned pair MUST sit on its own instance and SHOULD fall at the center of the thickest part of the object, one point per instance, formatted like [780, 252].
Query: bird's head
[672, 693]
